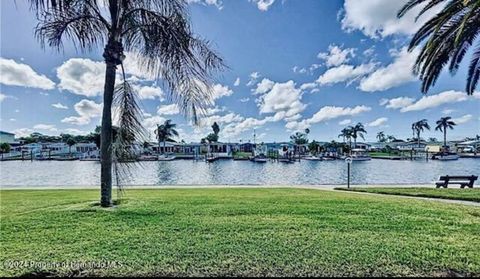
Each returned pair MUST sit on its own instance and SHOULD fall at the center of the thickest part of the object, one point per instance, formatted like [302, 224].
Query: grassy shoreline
[449, 193]
[244, 232]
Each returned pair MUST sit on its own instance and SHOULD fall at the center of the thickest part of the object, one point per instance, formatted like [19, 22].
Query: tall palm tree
[159, 31]
[381, 137]
[165, 132]
[358, 130]
[419, 127]
[448, 37]
[442, 124]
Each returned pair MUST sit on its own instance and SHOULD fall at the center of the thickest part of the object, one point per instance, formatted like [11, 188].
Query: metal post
[348, 175]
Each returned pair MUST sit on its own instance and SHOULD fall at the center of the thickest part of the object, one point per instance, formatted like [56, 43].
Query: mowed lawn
[467, 194]
[250, 232]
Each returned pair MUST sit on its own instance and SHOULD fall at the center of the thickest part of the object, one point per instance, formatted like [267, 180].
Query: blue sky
[293, 64]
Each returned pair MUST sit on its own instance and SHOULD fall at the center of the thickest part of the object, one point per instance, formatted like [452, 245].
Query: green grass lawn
[449, 193]
[252, 232]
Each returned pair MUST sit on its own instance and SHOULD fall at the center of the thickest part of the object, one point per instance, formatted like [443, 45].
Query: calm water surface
[181, 172]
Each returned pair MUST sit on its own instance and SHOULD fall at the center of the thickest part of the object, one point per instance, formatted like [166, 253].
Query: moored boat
[359, 154]
[445, 156]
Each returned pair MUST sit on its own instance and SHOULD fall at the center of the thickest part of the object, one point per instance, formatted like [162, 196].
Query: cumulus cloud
[18, 74]
[431, 101]
[378, 18]
[59, 106]
[45, 127]
[345, 73]
[263, 5]
[2, 97]
[378, 122]
[345, 122]
[283, 99]
[22, 132]
[463, 119]
[216, 3]
[86, 110]
[149, 92]
[264, 86]
[397, 103]
[219, 91]
[168, 110]
[397, 73]
[336, 56]
[327, 113]
[82, 76]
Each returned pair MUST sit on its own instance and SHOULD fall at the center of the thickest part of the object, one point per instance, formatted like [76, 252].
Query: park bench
[463, 181]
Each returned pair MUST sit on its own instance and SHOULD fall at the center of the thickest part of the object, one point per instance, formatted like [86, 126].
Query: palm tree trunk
[106, 136]
[164, 146]
[445, 137]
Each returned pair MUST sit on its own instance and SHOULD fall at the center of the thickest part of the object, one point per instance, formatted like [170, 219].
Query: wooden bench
[463, 181]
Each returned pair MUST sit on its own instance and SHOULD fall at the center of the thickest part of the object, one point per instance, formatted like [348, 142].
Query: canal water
[229, 172]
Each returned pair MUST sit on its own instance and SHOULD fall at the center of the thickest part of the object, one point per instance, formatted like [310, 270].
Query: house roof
[6, 133]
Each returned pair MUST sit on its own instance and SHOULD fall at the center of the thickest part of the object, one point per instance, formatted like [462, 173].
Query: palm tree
[159, 32]
[391, 138]
[344, 134]
[449, 35]
[381, 137]
[442, 124]
[419, 126]
[165, 132]
[358, 130]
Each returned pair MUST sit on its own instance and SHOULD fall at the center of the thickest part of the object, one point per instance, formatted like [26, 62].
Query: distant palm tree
[391, 138]
[70, 142]
[356, 131]
[449, 35]
[419, 126]
[442, 125]
[381, 137]
[160, 32]
[432, 139]
[346, 134]
[165, 132]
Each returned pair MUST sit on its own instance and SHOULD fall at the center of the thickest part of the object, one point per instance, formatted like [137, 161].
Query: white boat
[166, 158]
[312, 158]
[359, 154]
[259, 154]
[260, 159]
[445, 156]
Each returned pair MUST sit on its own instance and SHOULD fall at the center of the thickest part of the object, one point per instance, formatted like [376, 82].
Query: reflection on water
[181, 172]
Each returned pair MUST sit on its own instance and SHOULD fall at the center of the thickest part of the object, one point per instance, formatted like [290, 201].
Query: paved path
[314, 187]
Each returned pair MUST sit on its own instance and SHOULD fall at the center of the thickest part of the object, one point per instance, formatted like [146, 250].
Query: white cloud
[431, 101]
[59, 106]
[327, 113]
[168, 110]
[22, 132]
[18, 74]
[378, 18]
[336, 56]
[447, 111]
[237, 82]
[378, 122]
[149, 92]
[2, 97]
[264, 86]
[82, 76]
[393, 75]
[86, 110]
[253, 78]
[344, 73]
[263, 5]
[345, 122]
[397, 103]
[463, 119]
[73, 131]
[219, 91]
[284, 99]
[216, 3]
[45, 127]
[133, 66]
[244, 100]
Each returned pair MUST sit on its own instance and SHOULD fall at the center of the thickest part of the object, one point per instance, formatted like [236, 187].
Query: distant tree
[70, 142]
[419, 127]
[442, 124]
[5, 147]
[432, 139]
[215, 128]
[381, 137]
[212, 137]
[313, 147]
[165, 132]
[299, 138]
[391, 138]
[357, 131]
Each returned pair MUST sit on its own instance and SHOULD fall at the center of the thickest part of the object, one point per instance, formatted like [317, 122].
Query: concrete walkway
[314, 187]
